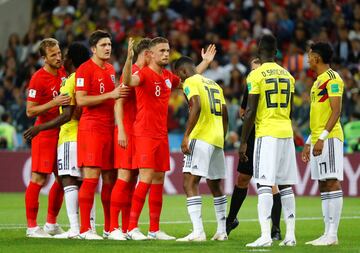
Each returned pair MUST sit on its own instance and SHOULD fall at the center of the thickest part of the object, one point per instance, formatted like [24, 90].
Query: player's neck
[266, 60]
[50, 69]
[101, 63]
[140, 63]
[156, 68]
[322, 68]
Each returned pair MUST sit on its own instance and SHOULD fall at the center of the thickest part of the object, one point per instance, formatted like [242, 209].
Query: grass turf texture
[175, 221]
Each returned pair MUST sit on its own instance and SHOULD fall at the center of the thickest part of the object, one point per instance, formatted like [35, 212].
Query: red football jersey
[129, 106]
[43, 88]
[152, 99]
[96, 81]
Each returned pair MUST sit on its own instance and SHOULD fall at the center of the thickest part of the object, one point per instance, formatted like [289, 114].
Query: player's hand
[242, 113]
[130, 53]
[31, 133]
[185, 146]
[120, 91]
[209, 54]
[62, 99]
[318, 147]
[242, 153]
[122, 138]
[305, 155]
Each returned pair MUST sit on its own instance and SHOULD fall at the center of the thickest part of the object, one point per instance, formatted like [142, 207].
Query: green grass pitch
[175, 221]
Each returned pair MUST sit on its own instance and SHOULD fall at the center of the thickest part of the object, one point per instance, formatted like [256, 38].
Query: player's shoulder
[86, 65]
[332, 75]
[134, 69]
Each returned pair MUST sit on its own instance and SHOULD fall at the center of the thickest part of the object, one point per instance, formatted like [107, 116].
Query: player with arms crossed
[271, 89]
[202, 146]
[324, 147]
[43, 101]
[246, 171]
[124, 148]
[96, 94]
[153, 87]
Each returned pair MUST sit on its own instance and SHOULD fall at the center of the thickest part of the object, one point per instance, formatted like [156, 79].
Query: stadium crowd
[234, 26]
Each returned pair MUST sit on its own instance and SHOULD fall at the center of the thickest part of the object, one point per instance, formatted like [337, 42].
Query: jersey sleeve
[292, 84]
[190, 89]
[222, 98]
[141, 75]
[68, 88]
[252, 84]
[175, 81]
[34, 91]
[83, 78]
[335, 88]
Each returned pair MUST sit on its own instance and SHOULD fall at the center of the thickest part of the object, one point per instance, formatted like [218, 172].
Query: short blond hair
[47, 43]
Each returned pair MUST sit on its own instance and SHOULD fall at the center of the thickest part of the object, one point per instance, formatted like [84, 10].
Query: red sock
[137, 204]
[56, 196]
[32, 203]
[125, 214]
[105, 199]
[118, 196]
[155, 205]
[86, 200]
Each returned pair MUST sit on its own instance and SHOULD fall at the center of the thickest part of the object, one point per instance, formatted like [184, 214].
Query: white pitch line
[22, 226]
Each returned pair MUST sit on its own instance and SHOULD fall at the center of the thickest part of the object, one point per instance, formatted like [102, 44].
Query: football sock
[56, 196]
[276, 210]
[32, 203]
[194, 210]
[155, 204]
[117, 202]
[237, 199]
[288, 205]
[335, 207]
[86, 200]
[125, 216]
[220, 211]
[105, 199]
[265, 202]
[325, 210]
[72, 206]
[137, 204]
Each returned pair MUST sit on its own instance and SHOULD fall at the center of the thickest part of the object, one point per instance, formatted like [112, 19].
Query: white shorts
[205, 160]
[275, 161]
[67, 160]
[330, 164]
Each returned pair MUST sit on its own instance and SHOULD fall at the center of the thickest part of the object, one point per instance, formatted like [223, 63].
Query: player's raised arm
[34, 109]
[207, 58]
[128, 78]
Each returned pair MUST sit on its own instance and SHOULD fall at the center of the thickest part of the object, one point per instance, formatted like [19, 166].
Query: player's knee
[243, 181]
[69, 180]
[38, 178]
[332, 185]
[158, 178]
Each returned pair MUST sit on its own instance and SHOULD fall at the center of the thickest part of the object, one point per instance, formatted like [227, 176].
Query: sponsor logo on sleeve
[80, 82]
[187, 91]
[335, 88]
[249, 86]
[32, 93]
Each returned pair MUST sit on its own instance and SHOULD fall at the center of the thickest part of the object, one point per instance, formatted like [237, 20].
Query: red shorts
[95, 149]
[152, 153]
[123, 157]
[44, 154]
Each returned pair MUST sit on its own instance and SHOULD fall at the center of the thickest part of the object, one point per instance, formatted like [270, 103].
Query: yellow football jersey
[328, 84]
[68, 131]
[209, 127]
[274, 84]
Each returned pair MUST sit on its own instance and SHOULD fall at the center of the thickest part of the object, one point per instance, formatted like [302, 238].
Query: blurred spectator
[8, 137]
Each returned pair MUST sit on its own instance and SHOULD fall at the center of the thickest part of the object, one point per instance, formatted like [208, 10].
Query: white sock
[92, 217]
[220, 212]
[265, 203]
[288, 206]
[335, 207]
[194, 210]
[325, 210]
[71, 193]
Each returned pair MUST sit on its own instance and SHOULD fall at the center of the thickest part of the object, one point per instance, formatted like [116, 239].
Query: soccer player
[124, 148]
[154, 84]
[324, 147]
[96, 94]
[202, 146]
[271, 89]
[68, 122]
[246, 171]
[43, 101]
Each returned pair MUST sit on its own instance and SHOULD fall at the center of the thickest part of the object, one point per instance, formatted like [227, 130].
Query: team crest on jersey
[112, 78]
[168, 83]
[32, 93]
